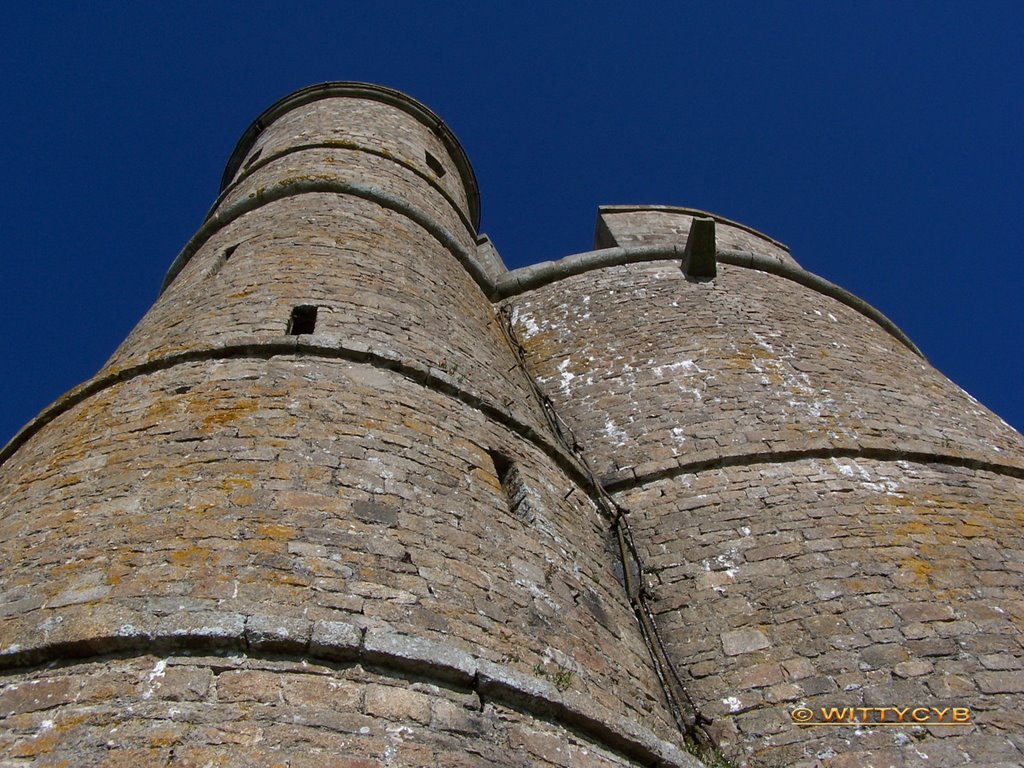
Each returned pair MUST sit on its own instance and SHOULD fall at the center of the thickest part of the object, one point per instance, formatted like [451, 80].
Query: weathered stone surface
[648, 366]
[236, 710]
[876, 619]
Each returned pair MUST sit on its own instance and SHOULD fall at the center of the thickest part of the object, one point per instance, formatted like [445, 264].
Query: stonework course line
[626, 479]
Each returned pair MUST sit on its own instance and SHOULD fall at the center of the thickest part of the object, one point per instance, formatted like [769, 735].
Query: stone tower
[352, 494]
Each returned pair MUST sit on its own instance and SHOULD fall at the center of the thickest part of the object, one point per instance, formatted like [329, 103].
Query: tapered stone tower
[353, 494]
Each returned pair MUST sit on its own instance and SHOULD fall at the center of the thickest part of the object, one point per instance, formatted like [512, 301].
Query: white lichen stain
[567, 376]
[852, 468]
[615, 433]
[530, 327]
[153, 679]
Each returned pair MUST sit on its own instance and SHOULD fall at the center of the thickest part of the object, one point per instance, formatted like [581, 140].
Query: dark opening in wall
[435, 165]
[254, 158]
[512, 482]
[303, 320]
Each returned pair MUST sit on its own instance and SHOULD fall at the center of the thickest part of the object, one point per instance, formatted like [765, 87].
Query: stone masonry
[353, 494]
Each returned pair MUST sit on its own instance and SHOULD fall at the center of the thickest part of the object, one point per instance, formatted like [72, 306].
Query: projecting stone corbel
[699, 256]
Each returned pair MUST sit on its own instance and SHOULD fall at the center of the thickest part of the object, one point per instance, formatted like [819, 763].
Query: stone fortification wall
[823, 519]
[217, 500]
[251, 537]
[654, 370]
[842, 582]
[352, 488]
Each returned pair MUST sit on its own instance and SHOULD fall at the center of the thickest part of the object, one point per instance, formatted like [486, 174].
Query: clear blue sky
[882, 141]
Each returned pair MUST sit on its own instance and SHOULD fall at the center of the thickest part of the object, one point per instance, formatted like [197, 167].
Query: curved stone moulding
[340, 643]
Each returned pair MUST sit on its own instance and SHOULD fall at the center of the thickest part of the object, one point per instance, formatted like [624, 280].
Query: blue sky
[881, 141]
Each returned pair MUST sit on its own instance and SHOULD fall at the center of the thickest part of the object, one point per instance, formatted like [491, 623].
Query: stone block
[419, 656]
[740, 641]
[397, 704]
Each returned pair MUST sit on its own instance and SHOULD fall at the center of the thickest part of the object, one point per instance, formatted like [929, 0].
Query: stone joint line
[302, 185]
[630, 478]
[389, 96]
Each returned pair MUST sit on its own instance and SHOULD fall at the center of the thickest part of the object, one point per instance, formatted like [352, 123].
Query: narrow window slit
[435, 165]
[517, 494]
[253, 159]
[223, 259]
[303, 320]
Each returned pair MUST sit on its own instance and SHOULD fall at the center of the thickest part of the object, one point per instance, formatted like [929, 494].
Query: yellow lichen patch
[163, 737]
[920, 569]
[276, 531]
[969, 531]
[65, 724]
[290, 579]
[418, 426]
[891, 500]
[912, 528]
[189, 556]
[117, 573]
[229, 412]
[480, 475]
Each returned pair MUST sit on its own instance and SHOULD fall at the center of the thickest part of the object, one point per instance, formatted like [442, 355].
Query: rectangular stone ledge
[442, 380]
[615, 477]
[489, 259]
[517, 689]
[656, 468]
[278, 634]
[419, 656]
[201, 630]
[335, 640]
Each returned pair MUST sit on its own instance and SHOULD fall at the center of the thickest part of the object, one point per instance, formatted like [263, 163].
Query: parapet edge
[535, 276]
[350, 89]
[695, 212]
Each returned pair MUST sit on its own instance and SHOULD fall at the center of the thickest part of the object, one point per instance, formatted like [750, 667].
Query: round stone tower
[311, 512]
